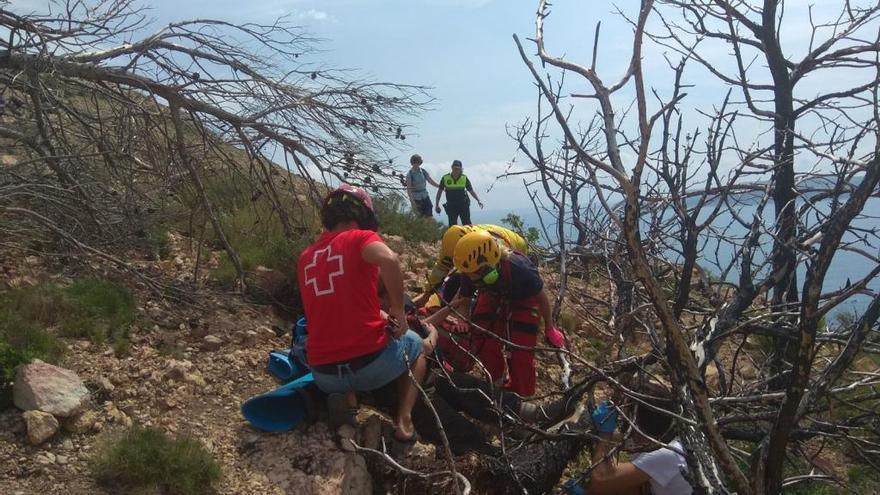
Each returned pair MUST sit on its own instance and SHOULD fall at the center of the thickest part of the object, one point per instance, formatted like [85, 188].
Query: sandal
[413, 438]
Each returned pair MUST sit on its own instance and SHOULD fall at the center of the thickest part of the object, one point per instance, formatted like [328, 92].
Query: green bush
[20, 342]
[44, 304]
[396, 219]
[91, 308]
[28, 339]
[158, 242]
[258, 238]
[148, 458]
[531, 234]
[102, 310]
[252, 226]
[9, 359]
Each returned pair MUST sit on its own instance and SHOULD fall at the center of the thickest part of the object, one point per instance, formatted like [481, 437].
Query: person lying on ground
[452, 393]
[659, 470]
[510, 305]
[351, 347]
[443, 266]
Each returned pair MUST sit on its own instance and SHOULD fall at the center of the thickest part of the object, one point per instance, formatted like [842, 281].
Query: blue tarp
[281, 409]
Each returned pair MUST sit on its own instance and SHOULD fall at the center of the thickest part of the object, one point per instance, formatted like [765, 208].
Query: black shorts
[423, 207]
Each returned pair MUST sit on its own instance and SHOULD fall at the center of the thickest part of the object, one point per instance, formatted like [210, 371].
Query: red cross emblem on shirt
[313, 271]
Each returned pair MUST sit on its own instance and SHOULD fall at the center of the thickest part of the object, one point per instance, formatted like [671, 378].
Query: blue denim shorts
[394, 361]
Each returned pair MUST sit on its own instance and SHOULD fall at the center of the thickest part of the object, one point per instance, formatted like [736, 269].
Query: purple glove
[554, 337]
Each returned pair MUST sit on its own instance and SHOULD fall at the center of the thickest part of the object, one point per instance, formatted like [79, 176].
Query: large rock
[50, 389]
[40, 426]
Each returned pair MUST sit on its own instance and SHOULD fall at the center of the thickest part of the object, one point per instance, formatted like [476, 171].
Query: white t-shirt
[665, 467]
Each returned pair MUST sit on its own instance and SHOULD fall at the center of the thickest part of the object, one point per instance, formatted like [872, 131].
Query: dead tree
[109, 116]
[676, 181]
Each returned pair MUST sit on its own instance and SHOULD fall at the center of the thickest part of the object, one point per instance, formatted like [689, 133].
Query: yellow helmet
[476, 250]
[451, 237]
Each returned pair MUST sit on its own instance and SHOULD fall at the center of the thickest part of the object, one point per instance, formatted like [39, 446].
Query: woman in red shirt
[352, 347]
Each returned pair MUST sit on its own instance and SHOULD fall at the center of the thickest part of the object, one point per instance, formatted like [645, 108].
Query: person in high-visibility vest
[443, 265]
[457, 187]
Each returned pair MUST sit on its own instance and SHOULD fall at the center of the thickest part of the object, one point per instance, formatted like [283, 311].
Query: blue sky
[464, 50]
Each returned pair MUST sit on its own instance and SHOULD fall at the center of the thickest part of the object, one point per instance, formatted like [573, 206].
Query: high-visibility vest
[452, 184]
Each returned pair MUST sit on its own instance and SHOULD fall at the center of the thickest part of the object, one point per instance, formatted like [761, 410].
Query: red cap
[358, 193]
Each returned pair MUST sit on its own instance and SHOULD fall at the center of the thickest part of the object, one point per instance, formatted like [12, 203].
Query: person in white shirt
[659, 472]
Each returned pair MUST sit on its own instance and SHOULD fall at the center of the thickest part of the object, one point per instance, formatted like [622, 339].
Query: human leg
[465, 213]
[408, 393]
[401, 356]
[425, 207]
[491, 353]
[476, 397]
[522, 364]
[450, 217]
[488, 347]
[463, 435]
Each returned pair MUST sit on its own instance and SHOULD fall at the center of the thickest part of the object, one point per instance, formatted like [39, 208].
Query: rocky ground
[188, 369]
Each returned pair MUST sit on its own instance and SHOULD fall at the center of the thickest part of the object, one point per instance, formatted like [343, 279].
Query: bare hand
[422, 299]
[397, 322]
[430, 342]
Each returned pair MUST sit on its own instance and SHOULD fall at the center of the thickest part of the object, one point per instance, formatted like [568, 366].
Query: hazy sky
[464, 50]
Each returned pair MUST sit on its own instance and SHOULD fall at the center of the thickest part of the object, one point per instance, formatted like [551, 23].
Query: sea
[848, 266]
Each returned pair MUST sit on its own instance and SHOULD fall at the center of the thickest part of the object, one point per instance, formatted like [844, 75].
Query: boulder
[41, 426]
[50, 389]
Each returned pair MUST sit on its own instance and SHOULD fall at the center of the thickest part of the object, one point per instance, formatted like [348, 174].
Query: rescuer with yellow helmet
[511, 302]
[444, 265]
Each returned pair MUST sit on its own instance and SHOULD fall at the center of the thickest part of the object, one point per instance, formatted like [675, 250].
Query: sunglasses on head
[345, 198]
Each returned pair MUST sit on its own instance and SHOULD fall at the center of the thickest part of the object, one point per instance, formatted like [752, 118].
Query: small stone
[83, 423]
[67, 444]
[177, 370]
[106, 385]
[249, 337]
[211, 343]
[61, 459]
[41, 426]
[346, 432]
[195, 379]
[372, 432]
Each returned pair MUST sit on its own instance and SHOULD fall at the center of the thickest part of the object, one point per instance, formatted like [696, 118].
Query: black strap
[354, 363]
